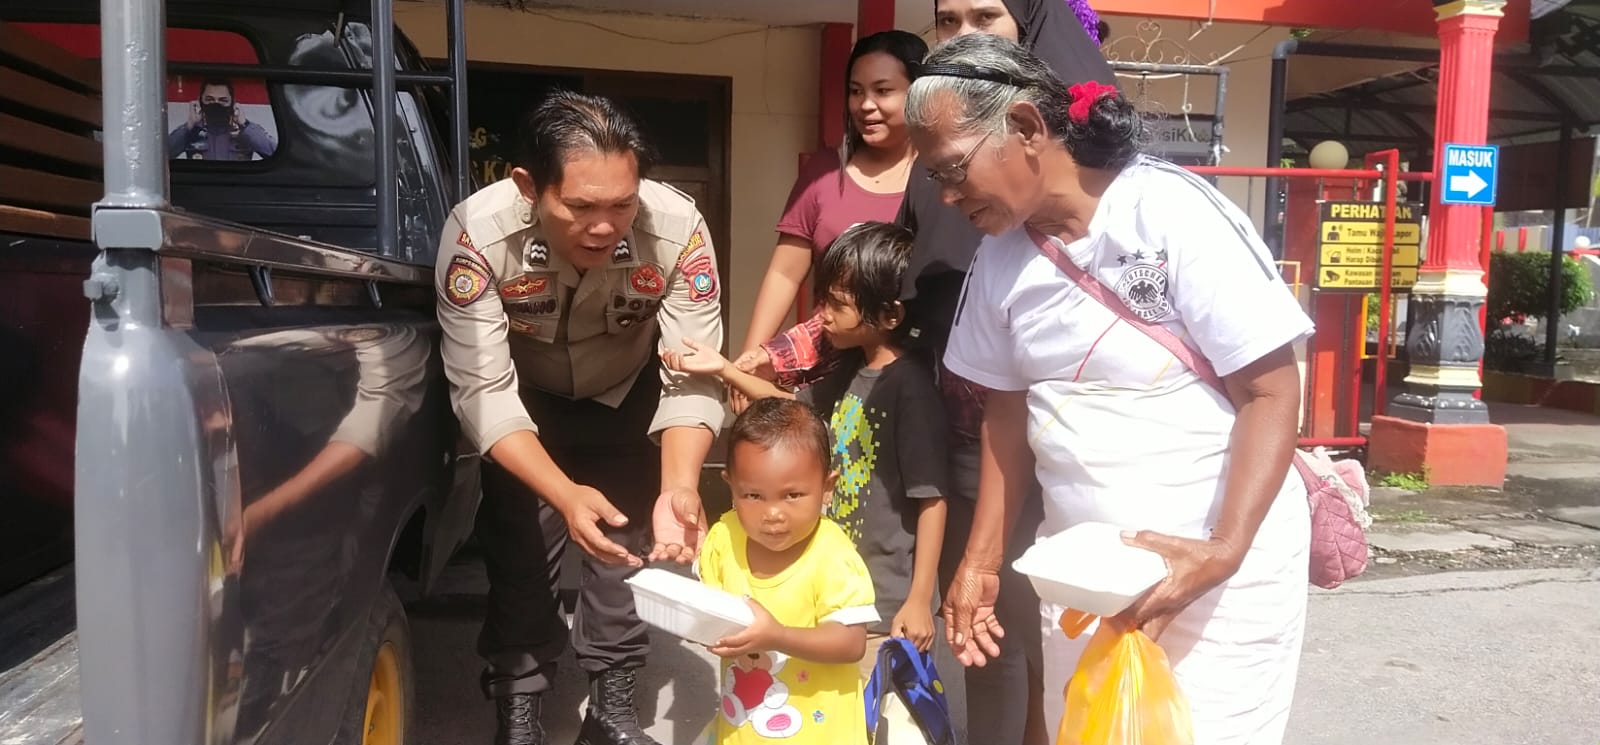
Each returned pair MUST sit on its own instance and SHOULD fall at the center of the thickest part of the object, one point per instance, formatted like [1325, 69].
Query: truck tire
[383, 694]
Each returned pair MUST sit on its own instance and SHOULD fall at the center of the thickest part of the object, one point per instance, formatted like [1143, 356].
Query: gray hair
[985, 75]
[984, 103]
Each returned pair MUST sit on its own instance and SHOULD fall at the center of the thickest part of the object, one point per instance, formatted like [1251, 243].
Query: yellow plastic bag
[1123, 692]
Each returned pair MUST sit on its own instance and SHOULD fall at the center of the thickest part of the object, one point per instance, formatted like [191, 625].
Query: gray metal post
[1558, 247]
[458, 97]
[134, 80]
[383, 112]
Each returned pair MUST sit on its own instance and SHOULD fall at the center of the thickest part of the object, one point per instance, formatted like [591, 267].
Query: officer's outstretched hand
[679, 525]
[585, 508]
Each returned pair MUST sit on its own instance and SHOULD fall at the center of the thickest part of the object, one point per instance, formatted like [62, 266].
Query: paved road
[1488, 658]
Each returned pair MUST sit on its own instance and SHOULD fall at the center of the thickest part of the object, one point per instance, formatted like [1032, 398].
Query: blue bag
[909, 673]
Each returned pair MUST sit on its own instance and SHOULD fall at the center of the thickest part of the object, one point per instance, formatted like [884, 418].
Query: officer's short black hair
[770, 422]
[565, 123]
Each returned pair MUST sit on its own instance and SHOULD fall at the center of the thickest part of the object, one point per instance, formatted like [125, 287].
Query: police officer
[557, 287]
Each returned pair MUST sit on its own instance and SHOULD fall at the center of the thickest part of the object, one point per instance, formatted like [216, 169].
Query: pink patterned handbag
[1336, 490]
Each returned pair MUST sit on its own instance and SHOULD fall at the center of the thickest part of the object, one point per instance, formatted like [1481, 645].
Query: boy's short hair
[770, 422]
[867, 261]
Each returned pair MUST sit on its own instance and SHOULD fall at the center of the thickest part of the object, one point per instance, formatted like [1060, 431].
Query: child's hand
[914, 623]
[760, 636]
[695, 359]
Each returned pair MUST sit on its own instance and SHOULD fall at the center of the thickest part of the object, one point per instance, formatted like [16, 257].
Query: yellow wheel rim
[385, 700]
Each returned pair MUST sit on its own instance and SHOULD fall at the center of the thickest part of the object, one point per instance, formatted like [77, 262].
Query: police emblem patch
[1143, 288]
[525, 286]
[465, 280]
[646, 280]
[702, 277]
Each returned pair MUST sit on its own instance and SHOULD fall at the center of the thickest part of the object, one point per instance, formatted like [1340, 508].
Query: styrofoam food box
[1087, 567]
[686, 608]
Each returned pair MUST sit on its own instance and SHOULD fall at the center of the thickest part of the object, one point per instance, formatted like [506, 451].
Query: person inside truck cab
[557, 288]
[218, 129]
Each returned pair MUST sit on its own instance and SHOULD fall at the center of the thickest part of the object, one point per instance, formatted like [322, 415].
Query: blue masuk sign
[1470, 175]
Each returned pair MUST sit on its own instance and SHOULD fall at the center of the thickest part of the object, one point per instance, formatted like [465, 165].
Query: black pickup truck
[222, 387]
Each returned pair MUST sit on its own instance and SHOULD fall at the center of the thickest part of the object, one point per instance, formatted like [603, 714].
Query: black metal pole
[1275, 113]
[1216, 121]
[458, 97]
[1558, 245]
[383, 113]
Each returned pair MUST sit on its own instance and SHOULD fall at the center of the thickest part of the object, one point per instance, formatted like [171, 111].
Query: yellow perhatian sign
[1351, 237]
[1363, 277]
[1358, 255]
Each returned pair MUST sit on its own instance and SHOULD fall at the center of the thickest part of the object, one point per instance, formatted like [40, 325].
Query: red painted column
[1439, 426]
[873, 16]
[834, 58]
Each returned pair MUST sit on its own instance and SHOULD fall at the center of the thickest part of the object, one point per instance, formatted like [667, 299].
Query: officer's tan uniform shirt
[517, 316]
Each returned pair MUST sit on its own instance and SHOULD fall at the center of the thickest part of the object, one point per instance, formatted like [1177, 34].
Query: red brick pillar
[1437, 424]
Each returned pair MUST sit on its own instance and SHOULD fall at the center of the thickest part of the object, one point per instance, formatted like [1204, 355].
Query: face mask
[217, 115]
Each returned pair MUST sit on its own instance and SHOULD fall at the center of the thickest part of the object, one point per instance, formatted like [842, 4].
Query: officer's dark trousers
[523, 538]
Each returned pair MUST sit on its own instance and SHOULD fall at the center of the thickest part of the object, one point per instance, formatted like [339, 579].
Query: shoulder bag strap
[1103, 295]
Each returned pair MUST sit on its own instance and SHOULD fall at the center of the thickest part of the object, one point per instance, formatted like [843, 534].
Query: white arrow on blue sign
[1471, 174]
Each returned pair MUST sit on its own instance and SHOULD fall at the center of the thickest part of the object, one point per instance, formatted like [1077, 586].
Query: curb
[1572, 395]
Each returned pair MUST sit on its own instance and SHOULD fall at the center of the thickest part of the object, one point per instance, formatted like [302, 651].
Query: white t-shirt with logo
[1122, 431]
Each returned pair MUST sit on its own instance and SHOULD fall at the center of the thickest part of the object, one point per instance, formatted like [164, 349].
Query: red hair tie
[1084, 95]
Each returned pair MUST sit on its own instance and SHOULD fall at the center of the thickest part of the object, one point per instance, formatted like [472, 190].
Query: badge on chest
[531, 303]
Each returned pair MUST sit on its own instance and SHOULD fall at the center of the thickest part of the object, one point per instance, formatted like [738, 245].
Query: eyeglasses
[956, 175]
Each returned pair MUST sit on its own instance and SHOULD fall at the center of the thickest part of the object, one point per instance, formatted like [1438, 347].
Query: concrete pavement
[1490, 658]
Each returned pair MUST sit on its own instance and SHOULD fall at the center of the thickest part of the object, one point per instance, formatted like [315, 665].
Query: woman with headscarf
[945, 245]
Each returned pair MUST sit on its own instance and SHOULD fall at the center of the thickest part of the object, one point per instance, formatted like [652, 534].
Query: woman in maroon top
[863, 181]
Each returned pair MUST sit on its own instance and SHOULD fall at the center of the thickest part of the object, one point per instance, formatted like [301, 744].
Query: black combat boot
[518, 714]
[611, 718]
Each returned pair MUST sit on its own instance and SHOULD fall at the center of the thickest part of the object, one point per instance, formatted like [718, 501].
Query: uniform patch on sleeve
[696, 242]
[465, 241]
[465, 280]
[701, 273]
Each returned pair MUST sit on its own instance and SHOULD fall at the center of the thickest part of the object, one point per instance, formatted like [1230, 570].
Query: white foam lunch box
[686, 608]
[1087, 567]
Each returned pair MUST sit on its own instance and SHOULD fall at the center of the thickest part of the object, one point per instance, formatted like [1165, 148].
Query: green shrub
[1519, 285]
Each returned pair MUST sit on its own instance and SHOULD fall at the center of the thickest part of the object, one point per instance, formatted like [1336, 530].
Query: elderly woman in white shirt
[1119, 429]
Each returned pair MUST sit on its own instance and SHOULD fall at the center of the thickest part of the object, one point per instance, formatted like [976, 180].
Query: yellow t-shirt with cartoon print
[770, 697]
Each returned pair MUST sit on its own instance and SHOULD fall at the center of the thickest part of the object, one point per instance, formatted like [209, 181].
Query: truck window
[208, 118]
